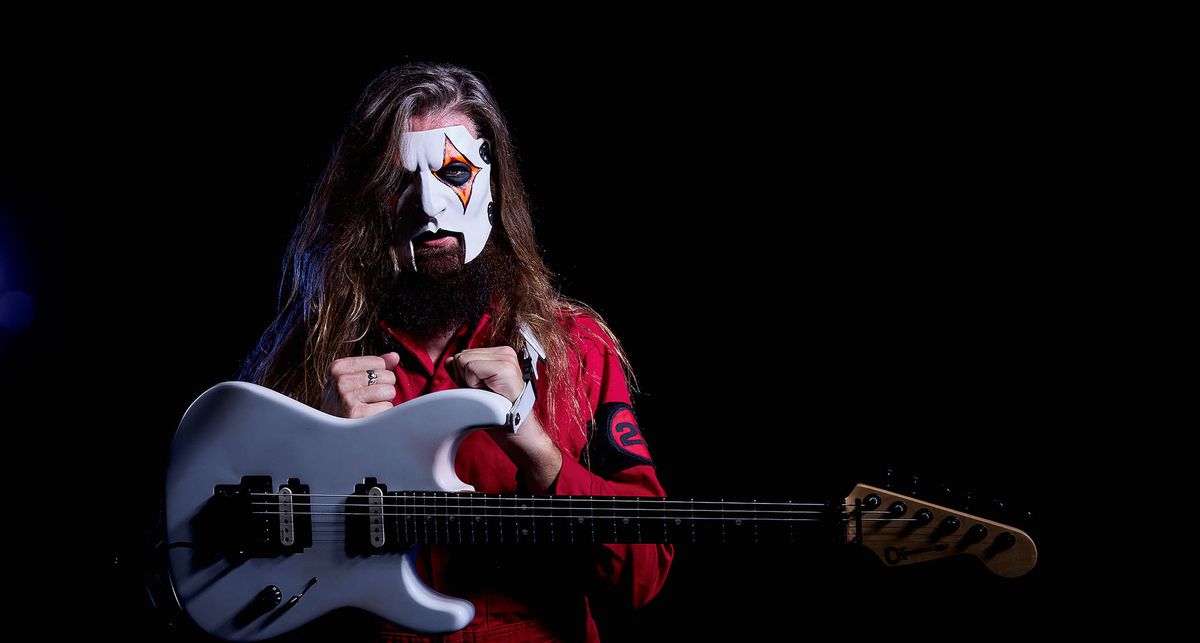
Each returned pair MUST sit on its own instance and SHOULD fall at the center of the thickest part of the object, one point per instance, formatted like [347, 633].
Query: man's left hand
[495, 369]
[531, 449]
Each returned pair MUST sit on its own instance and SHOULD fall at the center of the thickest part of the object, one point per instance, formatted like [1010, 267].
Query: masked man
[415, 270]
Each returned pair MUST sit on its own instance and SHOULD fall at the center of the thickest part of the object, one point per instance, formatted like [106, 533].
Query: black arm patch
[616, 442]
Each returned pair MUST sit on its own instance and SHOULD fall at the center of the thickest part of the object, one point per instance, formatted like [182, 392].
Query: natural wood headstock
[925, 531]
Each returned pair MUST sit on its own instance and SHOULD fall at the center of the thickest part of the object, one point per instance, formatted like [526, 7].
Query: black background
[821, 263]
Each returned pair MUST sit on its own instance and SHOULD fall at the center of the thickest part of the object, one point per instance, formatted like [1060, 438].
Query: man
[415, 270]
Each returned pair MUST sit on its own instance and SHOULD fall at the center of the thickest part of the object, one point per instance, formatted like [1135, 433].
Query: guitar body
[237, 429]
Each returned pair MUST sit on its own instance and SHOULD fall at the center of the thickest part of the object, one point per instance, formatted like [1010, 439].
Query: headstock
[902, 530]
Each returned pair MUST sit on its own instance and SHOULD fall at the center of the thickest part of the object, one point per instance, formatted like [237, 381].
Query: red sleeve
[636, 572]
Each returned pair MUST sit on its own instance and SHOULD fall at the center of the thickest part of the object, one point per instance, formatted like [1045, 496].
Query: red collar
[473, 336]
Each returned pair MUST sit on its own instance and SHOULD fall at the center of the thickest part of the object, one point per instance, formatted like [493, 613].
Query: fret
[637, 503]
[665, 533]
[486, 525]
[458, 521]
[571, 518]
[431, 522]
[534, 520]
[515, 516]
[422, 518]
[410, 515]
[499, 520]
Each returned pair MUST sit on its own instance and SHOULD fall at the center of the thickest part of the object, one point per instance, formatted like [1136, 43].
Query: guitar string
[329, 526]
[580, 515]
[950, 545]
[471, 495]
[656, 502]
[581, 504]
[607, 516]
[886, 531]
[651, 510]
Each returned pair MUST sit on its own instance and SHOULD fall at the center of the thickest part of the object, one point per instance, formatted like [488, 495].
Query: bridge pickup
[251, 520]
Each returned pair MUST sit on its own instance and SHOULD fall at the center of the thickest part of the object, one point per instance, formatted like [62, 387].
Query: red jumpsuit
[535, 592]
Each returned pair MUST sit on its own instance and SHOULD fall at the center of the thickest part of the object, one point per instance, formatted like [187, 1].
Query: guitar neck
[477, 518]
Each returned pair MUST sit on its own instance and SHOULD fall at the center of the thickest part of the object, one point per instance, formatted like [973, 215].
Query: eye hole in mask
[456, 174]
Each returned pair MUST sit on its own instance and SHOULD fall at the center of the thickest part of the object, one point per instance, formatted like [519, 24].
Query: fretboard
[476, 518]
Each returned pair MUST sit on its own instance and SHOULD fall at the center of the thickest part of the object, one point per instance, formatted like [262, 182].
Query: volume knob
[268, 599]
[263, 602]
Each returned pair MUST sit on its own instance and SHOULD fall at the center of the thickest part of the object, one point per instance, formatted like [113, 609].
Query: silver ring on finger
[371, 376]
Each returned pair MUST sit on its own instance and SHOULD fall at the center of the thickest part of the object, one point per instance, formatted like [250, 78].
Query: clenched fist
[495, 369]
[350, 392]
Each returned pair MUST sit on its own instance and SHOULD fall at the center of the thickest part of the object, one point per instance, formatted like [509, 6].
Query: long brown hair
[343, 256]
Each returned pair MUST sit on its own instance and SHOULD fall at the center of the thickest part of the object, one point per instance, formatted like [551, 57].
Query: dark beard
[442, 297]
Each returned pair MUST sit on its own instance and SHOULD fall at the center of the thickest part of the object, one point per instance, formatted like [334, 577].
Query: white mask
[452, 180]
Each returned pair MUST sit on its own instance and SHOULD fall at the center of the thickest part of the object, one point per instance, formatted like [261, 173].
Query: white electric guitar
[277, 513]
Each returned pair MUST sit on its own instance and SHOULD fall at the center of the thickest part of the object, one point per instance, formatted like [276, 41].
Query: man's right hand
[348, 392]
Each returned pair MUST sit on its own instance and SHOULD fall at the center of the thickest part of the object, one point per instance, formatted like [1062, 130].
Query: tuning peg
[922, 518]
[1002, 542]
[889, 477]
[945, 493]
[975, 534]
[897, 509]
[914, 489]
[949, 525]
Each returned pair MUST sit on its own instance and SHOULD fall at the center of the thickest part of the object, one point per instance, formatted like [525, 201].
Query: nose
[433, 200]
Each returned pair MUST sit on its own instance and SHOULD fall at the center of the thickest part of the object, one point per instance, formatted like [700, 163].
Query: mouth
[439, 239]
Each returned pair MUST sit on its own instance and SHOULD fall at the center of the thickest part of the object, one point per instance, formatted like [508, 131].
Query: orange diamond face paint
[450, 188]
[466, 173]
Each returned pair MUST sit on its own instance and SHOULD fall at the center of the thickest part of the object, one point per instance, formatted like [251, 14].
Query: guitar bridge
[251, 520]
